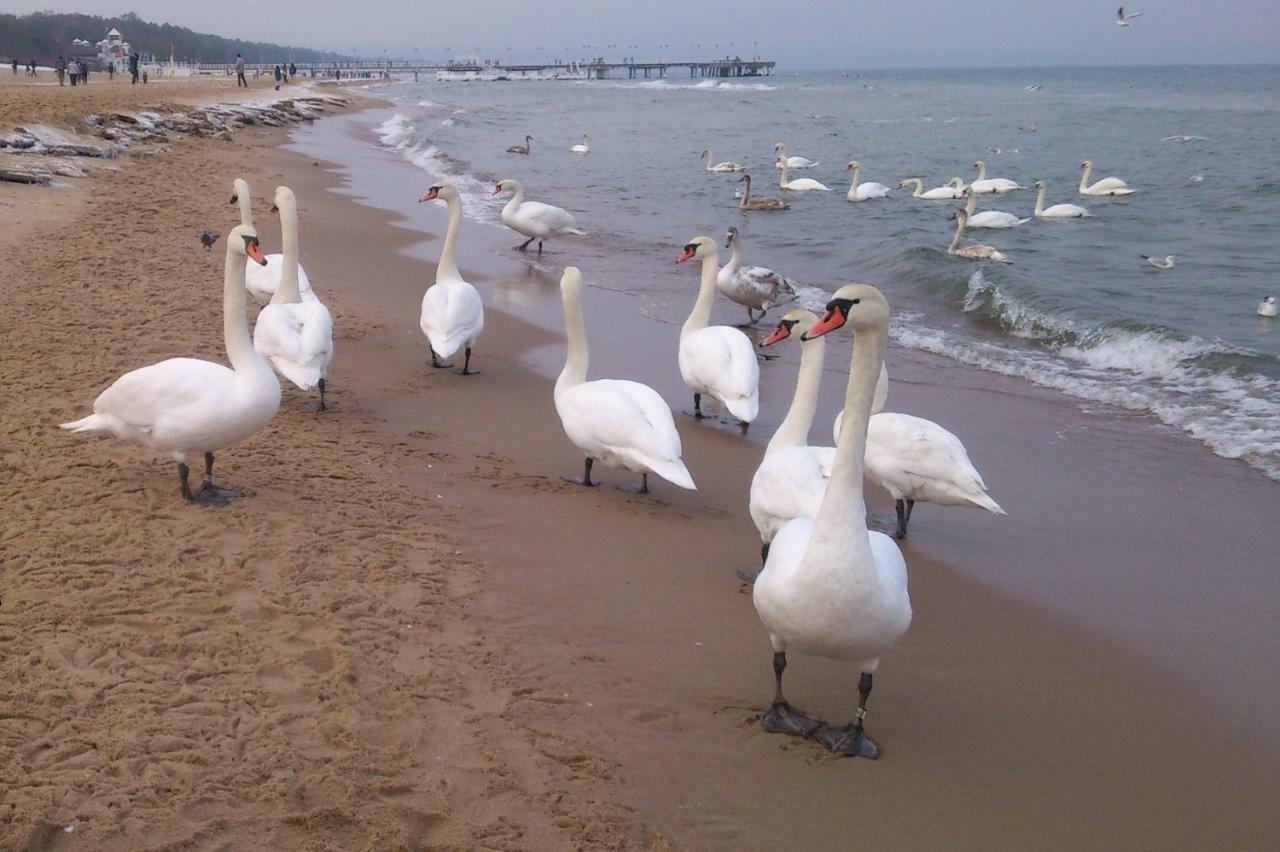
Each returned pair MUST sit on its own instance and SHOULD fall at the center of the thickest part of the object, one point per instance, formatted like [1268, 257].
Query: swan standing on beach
[952, 189]
[1122, 20]
[987, 186]
[622, 424]
[977, 251]
[800, 184]
[1106, 186]
[522, 149]
[863, 191]
[1267, 307]
[262, 281]
[186, 406]
[781, 158]
[294, 333]
[989, 218]
[726, 166]
[1057, 211]
[764, 202]
[582, 147]
[756, 288]
[716, 359]
[452, 313]
[533, 219]
[830, 586]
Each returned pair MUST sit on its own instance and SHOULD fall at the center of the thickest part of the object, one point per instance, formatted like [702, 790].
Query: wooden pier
[596, 69]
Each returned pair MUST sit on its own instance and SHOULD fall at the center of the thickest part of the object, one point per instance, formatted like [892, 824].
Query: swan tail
[675, 472]
[575, 231]
[984, 501]
[92, 423]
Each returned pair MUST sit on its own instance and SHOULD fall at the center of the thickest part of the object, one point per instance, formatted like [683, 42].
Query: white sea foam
[399, 134]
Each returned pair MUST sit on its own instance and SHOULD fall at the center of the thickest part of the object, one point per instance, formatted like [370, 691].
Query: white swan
[452, 313]
[799, 184]
[953, 188]
[863, 191]
[756, 288]
[622, 424]
[1267, 307]
[582, 147]
[989, 218]
[977, 251]
[1057, 211]
[726, 166]
[1106, 186]
[986, 186]
[830, 586]
[781, 159]
[186, 406]
[716, 359]
[763, 202]
[262, 281]
[294, 334]
[533, 219]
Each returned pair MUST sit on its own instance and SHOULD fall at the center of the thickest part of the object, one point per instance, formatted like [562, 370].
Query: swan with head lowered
[989, 218]
[764, 202]
[1106, 186]
[830, 587]
[715, 359]
[1057, 211]
[863, 191]
[293, 333]
[533, 219]
[185, 406]
[452, 313]
[1267, 307]
[781, 158]
[262, 281]
[726, 166]
[799, 184]
[952, 189]
[622, 424]
[756, 288]
[986, 186]
[977, 251]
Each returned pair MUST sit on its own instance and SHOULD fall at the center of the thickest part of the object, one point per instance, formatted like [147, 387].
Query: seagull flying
[1122, 20]
[1166, 263]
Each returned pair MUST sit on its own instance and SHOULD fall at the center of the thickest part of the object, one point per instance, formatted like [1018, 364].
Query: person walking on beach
[240, 80]
[293, 70]
[73, 71]
[133, 67]
[278, 76]
[111, 71]
[32, 66]
[15, 68]
[60, 67]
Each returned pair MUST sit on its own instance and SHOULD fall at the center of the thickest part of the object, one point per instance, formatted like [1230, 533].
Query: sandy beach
[411, 634]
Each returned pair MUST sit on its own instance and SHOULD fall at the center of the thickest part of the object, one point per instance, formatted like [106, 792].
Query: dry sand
[412, 634]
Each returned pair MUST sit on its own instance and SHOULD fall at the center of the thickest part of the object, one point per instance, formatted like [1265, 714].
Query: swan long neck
[746, 192]
[982, 170]
[246, 207]
[575, 329]
[735, 255]
[955, 241]
[235, 322]
[447, 269]
[970, 203]
[1084, 176]
[853, 184]
[794, 430]
[919, 185]
[782, 180]
[840, 526]
[1039, 201]
[287, 292]
[517, 198]
[700, 316]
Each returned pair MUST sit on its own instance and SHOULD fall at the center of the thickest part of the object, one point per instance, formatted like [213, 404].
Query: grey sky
[798, 33]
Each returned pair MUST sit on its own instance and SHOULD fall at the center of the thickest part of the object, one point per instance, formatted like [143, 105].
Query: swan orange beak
[689, 252]
[496, 190]
[782, 332]
[430, 196]
[254, 251]
[830, 321]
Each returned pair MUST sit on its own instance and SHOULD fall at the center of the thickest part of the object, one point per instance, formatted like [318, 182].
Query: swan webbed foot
[782, 718]
[525, 245]
[849, 740]
[697, 407]
[642, 487]
[466, 365]
[211, 495]
[585, 479]
[763, 357]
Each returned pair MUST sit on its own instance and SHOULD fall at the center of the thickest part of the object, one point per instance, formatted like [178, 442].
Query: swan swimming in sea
[1267, 307]
[726, 166]
[452, 314]
[187, 406]
[1165, 262]
[1122, 20]
[582, 147]
[764, 202]
[977, 251]
[830, 587]
[988, 218]
[986, 186]
[781, 159]
[862, 191]
[952, 189]
[799, 184]
[756, 288]
[533, 219]
[293, 333]
[521, 149]
[262, 281]
[1106, 186]
[623, 424]
[1057, 211]
[716, 359]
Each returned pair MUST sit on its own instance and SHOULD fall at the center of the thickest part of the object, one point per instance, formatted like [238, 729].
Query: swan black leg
[782, 718]
[209, 493]
[911, 504]
[524, 245]
[901, 509]
[320, 384]
[585, 479]
[466, 365]
[744, 425]
[539, 246]
[750, 576]
[642, 488]
[851, 740]
[183, 473]
[697, 406]
[437, 363]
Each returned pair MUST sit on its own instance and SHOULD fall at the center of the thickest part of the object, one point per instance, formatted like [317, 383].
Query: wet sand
[412, 634]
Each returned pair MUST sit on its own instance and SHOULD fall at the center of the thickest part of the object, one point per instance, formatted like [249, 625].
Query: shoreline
[413, 633]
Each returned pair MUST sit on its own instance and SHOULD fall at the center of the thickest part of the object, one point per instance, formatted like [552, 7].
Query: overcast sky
[799, 33]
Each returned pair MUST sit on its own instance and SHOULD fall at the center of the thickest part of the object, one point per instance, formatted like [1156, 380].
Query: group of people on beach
[77, 70]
